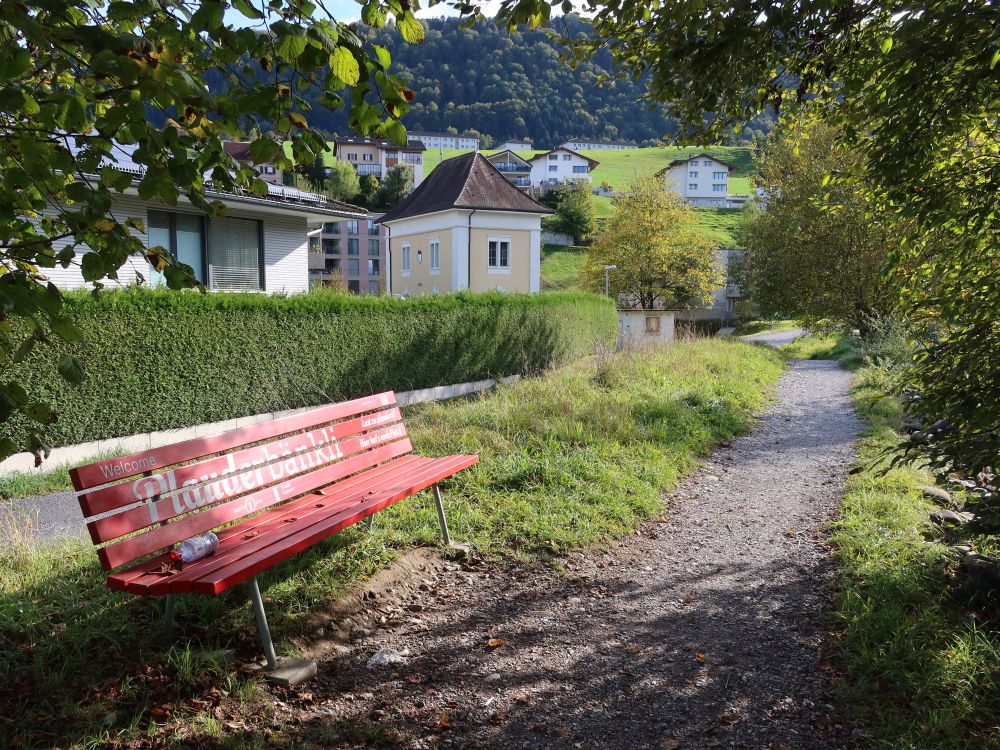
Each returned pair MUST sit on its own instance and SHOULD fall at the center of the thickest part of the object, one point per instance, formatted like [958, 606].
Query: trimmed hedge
[158, 359]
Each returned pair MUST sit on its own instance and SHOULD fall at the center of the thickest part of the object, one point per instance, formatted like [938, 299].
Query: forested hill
[513, 86]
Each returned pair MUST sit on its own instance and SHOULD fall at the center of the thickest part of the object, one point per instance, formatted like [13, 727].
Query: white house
[596, 145]
[701, 180]
[465, 227]
[515, 146]
[262, 243]
[513, 167]
[445, 140]
[378, 155]
[558, 166]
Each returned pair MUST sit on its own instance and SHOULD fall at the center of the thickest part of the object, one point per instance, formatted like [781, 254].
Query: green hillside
[561, 267]
[617, 168]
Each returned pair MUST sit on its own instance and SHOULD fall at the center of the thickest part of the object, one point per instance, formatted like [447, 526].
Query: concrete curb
[75, 454]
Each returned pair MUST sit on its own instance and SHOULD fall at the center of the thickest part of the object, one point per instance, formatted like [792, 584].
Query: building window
[354, 286]
[553, 157]
[315, 246]
[653, 325]
[373, 247]
[351, 156]
[352, 226]
[332, 264]
[331, 228]
[235, 254]
[692, 186]
[352, 246]
[706, 163]
[406, 260]
[567, 157]
[373, 267]
[353, 267]
[719, 188]
[499, 254]
[366, 157]
[718, 175]
[435, 255]
[374, 287]
[553, 168]
[183, 237]
[372, 229]
[578, 169]
[693, 173]
[331, 246]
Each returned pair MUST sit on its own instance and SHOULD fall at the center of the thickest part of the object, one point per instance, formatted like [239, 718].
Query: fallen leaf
[443, 721]
[157, 713]
[633, 649]
[522, 698]
[669, 743]
[700, 656]
[495, 643]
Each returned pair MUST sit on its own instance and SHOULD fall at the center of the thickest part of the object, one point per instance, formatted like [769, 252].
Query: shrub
[163, 359]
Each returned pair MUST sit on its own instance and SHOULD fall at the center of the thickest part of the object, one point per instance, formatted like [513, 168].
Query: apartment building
[701, 180]
[241, 152]
[445, 140]
[515, 168]
[376, 156]
[559, 166]
[352, 251]
[516, 146]
[596, 145]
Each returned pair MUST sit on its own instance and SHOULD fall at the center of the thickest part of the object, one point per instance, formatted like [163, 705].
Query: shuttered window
[235, 255]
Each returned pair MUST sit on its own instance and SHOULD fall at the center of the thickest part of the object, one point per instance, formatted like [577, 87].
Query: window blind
[234, 254]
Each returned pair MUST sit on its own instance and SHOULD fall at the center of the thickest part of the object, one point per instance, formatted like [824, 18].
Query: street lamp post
[607, 280]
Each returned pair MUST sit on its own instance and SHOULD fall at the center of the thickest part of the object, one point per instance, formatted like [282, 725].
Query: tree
[369, 191]
[815, 250]
[343, 181]
[576, 212]
[662, 261]
[86, 85]
[397, 185]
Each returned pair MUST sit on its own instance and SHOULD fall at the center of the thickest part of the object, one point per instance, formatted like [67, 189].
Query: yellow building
[465, 227]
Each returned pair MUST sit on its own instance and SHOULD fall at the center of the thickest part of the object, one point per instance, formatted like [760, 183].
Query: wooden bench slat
[158, 511]
[132, 548]
[123, 467]
[290, 545]
[233, 541]
[236, 472]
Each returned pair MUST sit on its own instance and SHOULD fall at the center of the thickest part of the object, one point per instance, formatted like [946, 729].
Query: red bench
[269, 491]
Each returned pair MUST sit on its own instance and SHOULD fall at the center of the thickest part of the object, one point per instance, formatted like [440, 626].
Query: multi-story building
[267, 171]
[516, 169]
[593, 145]
[378, 155]
[351, 252]
[446, 140]
[701, 180]
[516, 146]
[559, 166]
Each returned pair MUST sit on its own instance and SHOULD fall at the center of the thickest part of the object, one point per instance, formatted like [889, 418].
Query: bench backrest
[176, 491]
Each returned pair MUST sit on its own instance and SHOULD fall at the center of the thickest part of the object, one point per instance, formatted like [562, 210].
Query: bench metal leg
[265, 633]
[444, 523]
[170, 610]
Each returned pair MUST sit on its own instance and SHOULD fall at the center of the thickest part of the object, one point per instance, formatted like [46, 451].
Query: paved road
[704, 630]
[41, 517]
[775, 338]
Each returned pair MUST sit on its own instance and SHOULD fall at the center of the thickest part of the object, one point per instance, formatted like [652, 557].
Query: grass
[922, 667]
[577, 457]
[56, 479]
[618, 168]
[718, 224]
[561, 267]
[750, 327]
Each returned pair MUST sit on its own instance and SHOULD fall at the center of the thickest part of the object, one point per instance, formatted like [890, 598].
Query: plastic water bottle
[195, 548]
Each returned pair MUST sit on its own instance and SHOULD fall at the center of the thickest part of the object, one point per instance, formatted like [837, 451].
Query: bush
[163, 359]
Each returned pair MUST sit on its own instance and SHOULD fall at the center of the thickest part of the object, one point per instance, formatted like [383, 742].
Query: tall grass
[579, 456]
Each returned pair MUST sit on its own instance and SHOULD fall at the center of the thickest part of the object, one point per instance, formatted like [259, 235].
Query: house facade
[596, 145]
[701, 180]
[261, 245]
[516, 169]
[351, 252]
[515, 146]
[559, 166]
[241, 152]
[376, 156]
[466, 227]
[445, 140]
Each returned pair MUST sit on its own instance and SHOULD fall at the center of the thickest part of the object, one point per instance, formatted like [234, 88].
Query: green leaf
[7, 448]
[886, 45]
[384, 58]
[290, 45]
[247, 9]
[65, 329]
[72, 369]
[39, 412]
[410, 28]
[263, 150]
[344, 66]
[995, 60]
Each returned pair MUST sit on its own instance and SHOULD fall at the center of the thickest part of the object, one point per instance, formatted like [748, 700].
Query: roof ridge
[468, 174]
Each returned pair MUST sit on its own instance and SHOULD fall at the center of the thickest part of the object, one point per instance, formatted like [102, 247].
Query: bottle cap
[175, 555]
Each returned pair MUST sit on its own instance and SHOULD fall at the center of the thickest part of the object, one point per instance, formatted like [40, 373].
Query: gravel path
[775, 338]
[702, 630]
[43, 518]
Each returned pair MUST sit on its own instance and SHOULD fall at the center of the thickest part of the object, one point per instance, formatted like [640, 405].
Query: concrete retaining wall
[81, 453]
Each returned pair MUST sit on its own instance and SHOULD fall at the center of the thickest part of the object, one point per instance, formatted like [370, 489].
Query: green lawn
[561, 267]
[577, 457]
[718, 223]
[617, 168]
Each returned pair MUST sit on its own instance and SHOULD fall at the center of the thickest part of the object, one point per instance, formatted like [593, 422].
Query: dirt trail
[701, 630]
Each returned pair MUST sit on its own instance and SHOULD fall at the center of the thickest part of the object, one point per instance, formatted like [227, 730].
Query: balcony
[512, 168]
[367, 169]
